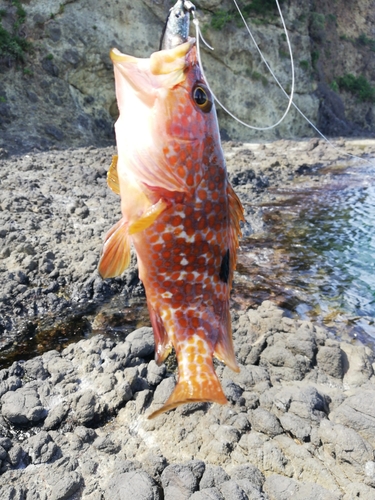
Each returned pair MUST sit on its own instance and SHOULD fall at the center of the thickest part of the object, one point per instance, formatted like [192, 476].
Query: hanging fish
[178, 209]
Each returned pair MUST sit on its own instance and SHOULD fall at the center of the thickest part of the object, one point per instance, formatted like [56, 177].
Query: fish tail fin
[197, 381]
[115, 256]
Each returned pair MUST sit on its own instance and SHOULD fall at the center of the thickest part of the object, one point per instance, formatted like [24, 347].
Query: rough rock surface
[290, 429]
[300, 421]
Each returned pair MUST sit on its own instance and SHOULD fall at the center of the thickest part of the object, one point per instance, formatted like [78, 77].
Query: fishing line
[289, 97]
[199, 35]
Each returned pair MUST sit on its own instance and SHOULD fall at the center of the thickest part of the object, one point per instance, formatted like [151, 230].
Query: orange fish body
[180, 212]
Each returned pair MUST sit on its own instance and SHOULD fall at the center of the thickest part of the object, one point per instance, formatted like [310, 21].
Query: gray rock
[264, 421]
[357, 412]
[34, 369]
[297, 426]
[248, 378]
[357, 364]
[155, 373]
[345, 445]
[141, 342]
[11, 384]
[207, 494]
[15, 455]
[181, 480]
[12, 492]
[41, 448]
[232, 391]
[105, 444]
[232, 491]
[86, 408]
[64, 485]
[213, 476]
[55, 416]
[329, 360]
[283, 488]
[135, 485]
[250, 472]
[22, 406]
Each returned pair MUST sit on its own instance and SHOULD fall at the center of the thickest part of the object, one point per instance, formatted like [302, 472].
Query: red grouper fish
[179, 211]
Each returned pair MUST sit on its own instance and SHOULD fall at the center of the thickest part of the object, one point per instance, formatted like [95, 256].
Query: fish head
[162, 99]
[187, 107]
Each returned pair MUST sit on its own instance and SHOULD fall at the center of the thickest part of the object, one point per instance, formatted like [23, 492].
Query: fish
[179, 211]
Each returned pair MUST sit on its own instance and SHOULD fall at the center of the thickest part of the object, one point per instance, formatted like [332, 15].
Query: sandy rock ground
[300, 422]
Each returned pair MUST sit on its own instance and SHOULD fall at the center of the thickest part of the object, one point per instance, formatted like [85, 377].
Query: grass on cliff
[13, 46]
[261, 8]
[358, 86]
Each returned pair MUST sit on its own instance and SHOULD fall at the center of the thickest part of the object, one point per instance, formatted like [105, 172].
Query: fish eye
[202, 98]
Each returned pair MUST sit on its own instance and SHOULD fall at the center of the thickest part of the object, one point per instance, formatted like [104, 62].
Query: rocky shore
[300, 422]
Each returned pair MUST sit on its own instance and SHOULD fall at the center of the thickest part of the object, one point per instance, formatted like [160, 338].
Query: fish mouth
[165, 68]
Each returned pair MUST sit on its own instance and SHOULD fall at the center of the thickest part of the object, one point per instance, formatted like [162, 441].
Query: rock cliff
[56, 78]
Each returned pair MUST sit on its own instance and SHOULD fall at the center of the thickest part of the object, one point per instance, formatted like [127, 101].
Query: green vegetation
[2, 99]
[317, 26]
[332, 18]
[366, 41]
[358, 86]
[304, 64]
[49, 57]
[254, 75]
[315, 57]
[220, 18]
[259, 7]
[334, 86]
[12, 46]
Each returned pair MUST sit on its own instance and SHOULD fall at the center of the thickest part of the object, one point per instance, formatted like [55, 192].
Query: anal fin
[112, 176]
[115, 256]
[148, 217]
[163, 345]
[224, 349]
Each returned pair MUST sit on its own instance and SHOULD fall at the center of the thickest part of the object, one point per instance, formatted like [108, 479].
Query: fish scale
[180, 213]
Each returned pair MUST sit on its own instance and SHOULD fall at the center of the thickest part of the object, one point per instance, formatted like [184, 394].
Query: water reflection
[317, 256]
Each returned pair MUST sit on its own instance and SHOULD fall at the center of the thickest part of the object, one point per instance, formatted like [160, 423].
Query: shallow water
[317, 254]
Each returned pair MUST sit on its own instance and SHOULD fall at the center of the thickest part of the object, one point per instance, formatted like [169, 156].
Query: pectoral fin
[116, 251]
[148, 217]
[112, 176]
